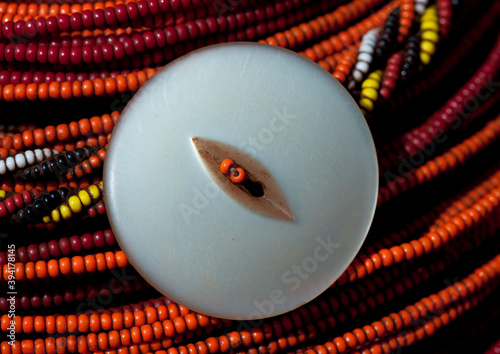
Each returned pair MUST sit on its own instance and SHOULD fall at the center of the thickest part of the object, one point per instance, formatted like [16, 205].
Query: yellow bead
[429, 25]
[376, 75]
[369, 93]
[371, 83]
[366, 104]
[430, 36]
[56, 216]
[429, 17]
[425, 58]
[75, 204]
[2, 194]
[65, 212]
[46, 219]
[428, 47]
[363, 112]
[94, 191]
[84, 197]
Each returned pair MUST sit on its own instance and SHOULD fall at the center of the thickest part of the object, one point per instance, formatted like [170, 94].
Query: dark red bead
[149, 39]
[76, 244]
[99, 239]
[99, 18]
[76, 21]
[64, 245]
[51, 24]
[132, 10]
[64, 23]
[107, 52]
[33, 255]
[15, 77]
[41, 26]
[110, 15]
[22, 254]
[54, 248]
[121, 13]
[64, 55]
[88, 19]
[43, 250]
[153, 7]
[76, 55]
[42, 54]
[9, 52]
[97, 54]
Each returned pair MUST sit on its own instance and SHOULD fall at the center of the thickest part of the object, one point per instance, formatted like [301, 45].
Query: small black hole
[255, 188]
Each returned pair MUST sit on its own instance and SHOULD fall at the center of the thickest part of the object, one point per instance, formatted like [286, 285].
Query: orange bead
[225, 165]
[65, 265]
[240, 177]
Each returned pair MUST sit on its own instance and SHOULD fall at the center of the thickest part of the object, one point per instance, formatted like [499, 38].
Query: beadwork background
[426, 75]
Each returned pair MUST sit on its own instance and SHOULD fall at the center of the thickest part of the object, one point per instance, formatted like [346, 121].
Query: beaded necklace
[399, 290]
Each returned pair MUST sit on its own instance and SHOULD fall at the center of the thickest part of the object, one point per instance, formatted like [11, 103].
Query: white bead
[366, 57]
[362, 66]
[11, 163]
[55, 152]
[38, 155]
[357, 75]
[47, 153]
[365, 48]
[3, 168]
[419, 8]
[20, 161]
[30, 157]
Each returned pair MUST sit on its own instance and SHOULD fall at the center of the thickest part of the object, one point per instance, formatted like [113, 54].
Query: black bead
[80, 154]
[63, 191]
[71, 156]
[45, 168]
[30, 213]
[55, 199]
[36, 172]
[27, 173]
[22, 217]
[61, 160]
[49, 202]
[39, 207]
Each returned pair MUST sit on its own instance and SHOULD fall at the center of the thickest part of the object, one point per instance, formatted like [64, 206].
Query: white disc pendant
[273, 242]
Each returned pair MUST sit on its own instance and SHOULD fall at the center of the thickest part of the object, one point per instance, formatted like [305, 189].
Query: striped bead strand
[75, 204]
[40, 206]
[26, 158]
[369, 91]
[365, 56]
[57, 165]
[88, 166]
[429, 27]
[388, 36]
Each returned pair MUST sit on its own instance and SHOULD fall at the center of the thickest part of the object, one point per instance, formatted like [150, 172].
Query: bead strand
[411, 62]
[411, 143]
[25, 158]
[61, 296]
[430, 241]
[406, 19]
[17, 201]
[53, 268]
[75, 204]
[322, 25]
[40, 206]
[454, 157]
[390, 75]
[461, 291]
[64, 246]
[430, 34]
[88, 166]
[365, 56]
[369, 91]
[353, 34]
[134, 43]
[56, 165]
